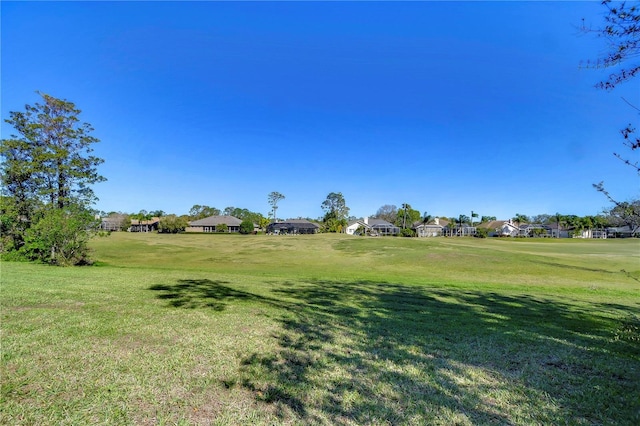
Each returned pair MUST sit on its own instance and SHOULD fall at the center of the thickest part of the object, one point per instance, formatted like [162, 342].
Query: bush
[172, 224]
[406, 232]
[481, 233]
[60, 236]
[246, 227]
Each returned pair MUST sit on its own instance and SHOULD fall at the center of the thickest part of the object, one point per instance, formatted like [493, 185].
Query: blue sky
[450, 107]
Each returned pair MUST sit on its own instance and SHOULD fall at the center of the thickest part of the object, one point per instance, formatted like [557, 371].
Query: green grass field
[325, 329]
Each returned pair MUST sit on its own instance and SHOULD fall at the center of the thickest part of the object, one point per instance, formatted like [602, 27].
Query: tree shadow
[370, 352]
[364, 352]
[200, 293]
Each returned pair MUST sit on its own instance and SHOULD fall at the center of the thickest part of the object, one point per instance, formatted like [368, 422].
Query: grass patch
[325, 329]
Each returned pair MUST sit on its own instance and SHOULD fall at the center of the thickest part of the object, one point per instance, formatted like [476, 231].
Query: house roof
[379, 222]
[295, 223]
[217, 220]
[494, 224]
[151, 221]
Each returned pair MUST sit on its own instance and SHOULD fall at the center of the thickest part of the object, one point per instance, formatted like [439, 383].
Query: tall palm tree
[405, 207]
[559, 219]
[452, 225]
[426, 218]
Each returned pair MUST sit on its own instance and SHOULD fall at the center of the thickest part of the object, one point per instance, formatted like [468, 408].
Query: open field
[325, 329]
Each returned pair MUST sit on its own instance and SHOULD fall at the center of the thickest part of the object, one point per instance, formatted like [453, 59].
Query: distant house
[534, 230]
[373, 227]
[357, 227]
[501, 228]
[558, 231]
[623, 232]
[434, 228]
[114, 222]
[144, 225]
[293, 226]
[213, 224]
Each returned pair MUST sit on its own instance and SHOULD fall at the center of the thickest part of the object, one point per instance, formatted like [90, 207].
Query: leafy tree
[200, 212]
[542, 219]
[222, 228]
[336, 212]
[274, 198]
[407, 232]
[485, 219]
[388, 212]
[520, 219]
[408, 217]
[263, 222]
[60, 236]
[481, 233]
[47, 172]
[246, 227]
[559, 220]
[172, 224]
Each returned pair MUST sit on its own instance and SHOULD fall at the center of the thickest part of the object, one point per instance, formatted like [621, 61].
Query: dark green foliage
[222, 228]
[336, 212]
[481, 233]
[60, 236]
[172, 224]
[406, 232]
[200, 212]
[47, 172]
[246, 227]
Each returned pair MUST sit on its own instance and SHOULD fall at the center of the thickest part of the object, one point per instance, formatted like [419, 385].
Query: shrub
[246, 227]
[60, 237]
[406, 232]
[481, 233]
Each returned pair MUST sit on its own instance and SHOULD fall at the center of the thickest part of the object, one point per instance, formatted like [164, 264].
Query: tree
[542, 218]
[463, 219]
[485, 219]
[621, 31]
[520, 219]
[336, 212]
[473, 214]
[626, 213]
[388, 212]
[246, 227]
[60, 236]
[47, 174]
[408, 217]
[405, 207]
[172, 224]
[559, 220]
[275, 197]
[426, 218]
[223, 227]
[54, 149]
[200, 212]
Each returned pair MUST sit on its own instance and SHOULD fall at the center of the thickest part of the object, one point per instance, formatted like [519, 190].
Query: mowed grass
[325, 329]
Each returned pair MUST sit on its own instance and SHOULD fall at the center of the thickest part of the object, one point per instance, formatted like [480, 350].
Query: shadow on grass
[362, 352]
[201, 293]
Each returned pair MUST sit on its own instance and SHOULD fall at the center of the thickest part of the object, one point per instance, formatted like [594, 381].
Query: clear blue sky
[450, 107]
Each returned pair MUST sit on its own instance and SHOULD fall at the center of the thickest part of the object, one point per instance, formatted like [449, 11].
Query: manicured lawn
[325, 329]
